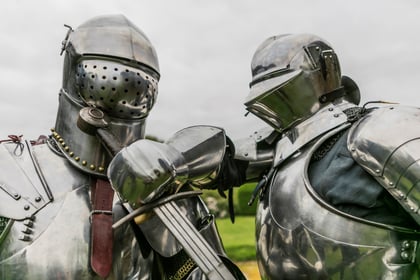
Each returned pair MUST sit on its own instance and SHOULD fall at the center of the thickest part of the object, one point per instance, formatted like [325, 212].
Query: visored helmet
[293, 76]
[109, 64]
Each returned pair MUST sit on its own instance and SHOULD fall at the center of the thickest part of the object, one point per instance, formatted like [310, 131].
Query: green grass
[238, 238]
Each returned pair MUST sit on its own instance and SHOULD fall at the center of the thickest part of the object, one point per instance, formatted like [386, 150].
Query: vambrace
[258, 151]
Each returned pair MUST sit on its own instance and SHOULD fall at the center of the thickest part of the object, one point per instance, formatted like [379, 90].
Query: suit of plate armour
[299, 236]
[53, 242]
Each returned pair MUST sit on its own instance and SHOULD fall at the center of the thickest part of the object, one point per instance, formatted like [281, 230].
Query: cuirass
[53, 242]
[299, 236]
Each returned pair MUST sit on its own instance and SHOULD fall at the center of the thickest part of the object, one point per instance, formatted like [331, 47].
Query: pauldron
[386, 143]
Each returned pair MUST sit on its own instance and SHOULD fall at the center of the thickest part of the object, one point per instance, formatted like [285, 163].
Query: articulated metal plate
[22, 191]
[387, 144]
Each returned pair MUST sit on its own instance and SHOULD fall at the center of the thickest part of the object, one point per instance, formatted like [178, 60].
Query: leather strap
[101, 232]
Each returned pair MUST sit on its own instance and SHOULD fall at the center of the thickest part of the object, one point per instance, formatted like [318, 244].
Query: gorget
[48, 236]
[299, 236]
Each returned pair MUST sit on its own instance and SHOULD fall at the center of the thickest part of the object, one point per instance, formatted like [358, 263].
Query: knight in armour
[58, 209]
[341, 197]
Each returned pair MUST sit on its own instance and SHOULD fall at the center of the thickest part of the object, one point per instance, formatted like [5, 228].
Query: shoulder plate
[386, 143]
[22, 188]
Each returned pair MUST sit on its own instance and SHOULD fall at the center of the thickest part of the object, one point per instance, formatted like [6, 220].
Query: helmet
[293, 76]
[111, 65]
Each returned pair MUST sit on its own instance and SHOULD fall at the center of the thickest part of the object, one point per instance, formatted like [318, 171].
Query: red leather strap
[102, 236]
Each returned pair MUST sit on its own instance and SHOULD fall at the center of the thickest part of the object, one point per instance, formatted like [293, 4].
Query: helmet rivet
[406, 245]
[404, 255]
[76, 158]
[101, 169]
[84, 162]
[92, 167]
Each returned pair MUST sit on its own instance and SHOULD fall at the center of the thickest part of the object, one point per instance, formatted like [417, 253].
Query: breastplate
[301, 237]
[53, 242]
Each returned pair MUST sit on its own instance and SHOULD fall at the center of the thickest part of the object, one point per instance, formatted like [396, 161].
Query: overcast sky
[204, 50]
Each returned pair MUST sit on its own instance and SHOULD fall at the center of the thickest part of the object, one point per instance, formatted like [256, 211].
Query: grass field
[239, 242]
[238, 238]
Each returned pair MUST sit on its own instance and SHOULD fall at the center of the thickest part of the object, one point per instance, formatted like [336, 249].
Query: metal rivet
[26, 207]
[66, 149]
[37, 199]
[406, 245]
[84, 162]
[391, 183]
[24, 237]
[101, 169]
[330, 109]
[27, 230]
[404, 255]
[377, 171]
[92, 167]
[71, 154]
[336, 115]
[28, 223]
[76, 158]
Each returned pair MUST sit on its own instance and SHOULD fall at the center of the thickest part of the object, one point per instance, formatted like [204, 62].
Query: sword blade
[192, 241]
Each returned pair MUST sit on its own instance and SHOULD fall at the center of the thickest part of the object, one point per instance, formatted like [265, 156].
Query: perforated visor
[119, 90]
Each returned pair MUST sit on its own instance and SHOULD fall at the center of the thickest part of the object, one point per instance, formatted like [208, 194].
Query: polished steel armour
[299, 236]
[53, 241]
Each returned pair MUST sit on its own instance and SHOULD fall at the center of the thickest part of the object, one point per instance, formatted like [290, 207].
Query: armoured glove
[146, 169]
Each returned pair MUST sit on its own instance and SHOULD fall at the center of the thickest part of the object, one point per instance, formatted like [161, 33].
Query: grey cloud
[204, 49]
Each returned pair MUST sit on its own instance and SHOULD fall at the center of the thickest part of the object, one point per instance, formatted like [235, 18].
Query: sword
[92, 121]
